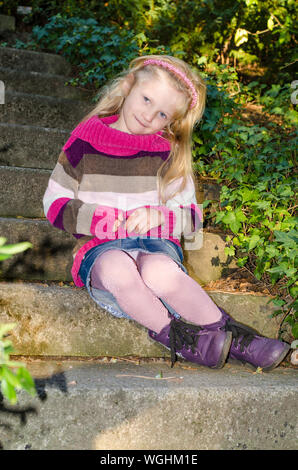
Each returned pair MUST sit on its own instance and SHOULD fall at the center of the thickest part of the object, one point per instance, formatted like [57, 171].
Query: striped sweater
[102, 172]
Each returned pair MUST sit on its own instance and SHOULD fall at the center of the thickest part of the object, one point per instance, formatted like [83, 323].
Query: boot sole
[265, 369]
[225, 351]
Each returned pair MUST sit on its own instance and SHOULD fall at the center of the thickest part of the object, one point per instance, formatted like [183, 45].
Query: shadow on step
[23, 412]
[49, 260]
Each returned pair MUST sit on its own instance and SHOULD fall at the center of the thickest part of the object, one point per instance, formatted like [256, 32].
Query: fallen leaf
[134, 361]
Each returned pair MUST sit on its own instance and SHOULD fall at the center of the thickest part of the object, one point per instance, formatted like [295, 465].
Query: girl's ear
[128, 83]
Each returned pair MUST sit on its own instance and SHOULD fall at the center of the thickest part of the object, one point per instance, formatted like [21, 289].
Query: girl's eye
[146, 99]
[163, 115]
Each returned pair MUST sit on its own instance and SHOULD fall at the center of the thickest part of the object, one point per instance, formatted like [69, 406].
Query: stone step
[41, 83]
[16, 147]
[51, 255]
[124, 406]
[31, 183]
[42, 111]
[22, 190]
[55, 320]
[34, 61]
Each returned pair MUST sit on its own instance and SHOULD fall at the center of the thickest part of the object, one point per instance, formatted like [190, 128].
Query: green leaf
[278, 302]
[272, 251]
[241, 261]
[236, 241]
[14, 363]
[249, 195]
[26, 381]
[293, 291]
[270, 23]
[290, 272]
[241, 36]
[240, 216]
[278, 269]
[3, 257]
[234, 219]
[295, 330]
[206, 203]
[15, 248]
[229, 251]
[287, 238]
[231, 220]
[253, 242]
[8, 391]
[10, 377]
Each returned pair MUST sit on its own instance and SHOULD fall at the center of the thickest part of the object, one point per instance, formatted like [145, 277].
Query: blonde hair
[179, 164]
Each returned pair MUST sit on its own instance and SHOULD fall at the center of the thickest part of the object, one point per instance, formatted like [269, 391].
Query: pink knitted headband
[178, 72]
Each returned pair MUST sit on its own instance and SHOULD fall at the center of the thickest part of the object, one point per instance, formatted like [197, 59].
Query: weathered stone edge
[65, 321]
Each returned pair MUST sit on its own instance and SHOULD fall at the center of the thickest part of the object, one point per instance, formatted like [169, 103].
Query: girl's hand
[118, 222]
[142, 220]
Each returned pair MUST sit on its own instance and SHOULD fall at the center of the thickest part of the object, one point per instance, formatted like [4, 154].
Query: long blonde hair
[179, 164]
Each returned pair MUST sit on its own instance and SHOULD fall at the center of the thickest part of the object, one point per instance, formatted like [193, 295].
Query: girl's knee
[160, 273]
[115, 270]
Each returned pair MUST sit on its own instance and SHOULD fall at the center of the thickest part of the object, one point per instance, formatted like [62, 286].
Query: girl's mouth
[140, 122]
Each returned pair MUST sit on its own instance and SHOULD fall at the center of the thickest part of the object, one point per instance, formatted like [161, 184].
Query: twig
[151, 378]
[284, 317]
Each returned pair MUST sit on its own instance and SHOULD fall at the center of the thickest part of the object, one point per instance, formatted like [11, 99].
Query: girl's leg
[117, 273]
[170, 283]
[164, 277]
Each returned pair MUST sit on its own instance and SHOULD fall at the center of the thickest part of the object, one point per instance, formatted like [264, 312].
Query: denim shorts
[105, 299]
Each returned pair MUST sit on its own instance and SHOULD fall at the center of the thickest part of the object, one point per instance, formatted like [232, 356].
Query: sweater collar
[96, 131]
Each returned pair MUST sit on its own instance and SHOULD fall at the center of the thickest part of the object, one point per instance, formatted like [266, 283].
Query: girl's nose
[148, 115]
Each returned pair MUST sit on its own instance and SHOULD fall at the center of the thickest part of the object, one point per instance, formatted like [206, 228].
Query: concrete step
[42, 111]
[41, 83]
[125, 406]
[55, 320]
[33, 61]
[22, 190]
[51, 255]
[16, 147]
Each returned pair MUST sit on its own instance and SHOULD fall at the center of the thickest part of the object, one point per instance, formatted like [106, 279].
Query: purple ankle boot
[248, 346]
[195, 344]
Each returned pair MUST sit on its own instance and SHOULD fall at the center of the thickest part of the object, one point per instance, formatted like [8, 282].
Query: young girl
[125, 188]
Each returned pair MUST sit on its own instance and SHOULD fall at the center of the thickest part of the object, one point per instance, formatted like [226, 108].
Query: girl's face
[150, 106]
